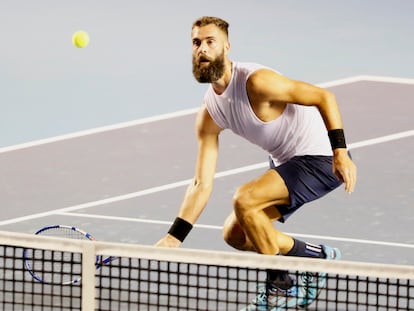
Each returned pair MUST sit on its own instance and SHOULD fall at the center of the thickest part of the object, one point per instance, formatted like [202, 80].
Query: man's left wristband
[337, 138]
[180, 229]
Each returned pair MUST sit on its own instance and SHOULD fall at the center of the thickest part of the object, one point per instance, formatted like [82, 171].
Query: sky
[138, 63]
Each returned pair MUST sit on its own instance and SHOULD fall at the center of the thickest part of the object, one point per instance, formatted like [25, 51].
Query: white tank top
[299, 130]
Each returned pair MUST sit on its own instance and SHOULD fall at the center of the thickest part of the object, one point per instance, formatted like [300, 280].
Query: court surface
[124, 183]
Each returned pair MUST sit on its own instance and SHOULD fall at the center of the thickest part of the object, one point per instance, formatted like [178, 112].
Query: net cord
[208, 257]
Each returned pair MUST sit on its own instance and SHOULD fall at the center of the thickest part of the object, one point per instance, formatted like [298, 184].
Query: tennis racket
[59, 267]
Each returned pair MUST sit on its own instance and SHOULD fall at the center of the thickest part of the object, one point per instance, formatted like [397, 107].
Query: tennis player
[300, 127]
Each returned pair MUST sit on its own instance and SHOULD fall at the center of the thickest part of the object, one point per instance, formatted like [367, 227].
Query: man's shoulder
[206, 123]
[248, 65]
[250, 69]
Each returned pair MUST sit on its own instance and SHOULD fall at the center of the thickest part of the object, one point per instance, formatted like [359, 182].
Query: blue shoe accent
[259, 303]
[273, 298]
[313, 283]
[332, 253]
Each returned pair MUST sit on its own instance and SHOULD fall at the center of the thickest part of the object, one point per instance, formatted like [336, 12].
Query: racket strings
[65, 232]
[56, 267]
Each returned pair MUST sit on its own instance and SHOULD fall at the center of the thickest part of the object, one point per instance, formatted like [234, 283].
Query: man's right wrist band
[180, 229]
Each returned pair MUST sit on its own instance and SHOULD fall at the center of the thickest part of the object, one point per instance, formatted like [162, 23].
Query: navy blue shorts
[307, 178]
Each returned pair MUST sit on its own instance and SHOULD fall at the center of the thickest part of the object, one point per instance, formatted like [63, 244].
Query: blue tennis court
[124, 183]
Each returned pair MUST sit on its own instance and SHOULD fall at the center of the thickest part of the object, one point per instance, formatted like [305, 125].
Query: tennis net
[149, 278]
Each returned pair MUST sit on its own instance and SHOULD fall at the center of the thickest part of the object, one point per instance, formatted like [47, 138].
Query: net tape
[149, 278]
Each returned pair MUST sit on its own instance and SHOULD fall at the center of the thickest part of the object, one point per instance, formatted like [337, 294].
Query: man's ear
[227, 47]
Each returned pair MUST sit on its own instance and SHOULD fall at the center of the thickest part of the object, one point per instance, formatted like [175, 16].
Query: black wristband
[337, 138]
[180, 229]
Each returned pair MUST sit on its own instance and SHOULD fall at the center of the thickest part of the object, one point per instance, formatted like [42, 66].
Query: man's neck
[221, 84]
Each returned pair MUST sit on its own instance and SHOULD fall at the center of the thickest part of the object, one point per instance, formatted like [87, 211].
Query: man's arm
[198, 192]
[271, 87]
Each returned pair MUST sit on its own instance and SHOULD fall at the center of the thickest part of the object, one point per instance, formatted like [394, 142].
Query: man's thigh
[268, 190]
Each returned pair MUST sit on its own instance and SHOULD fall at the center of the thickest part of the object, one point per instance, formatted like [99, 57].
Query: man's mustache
[204, 59]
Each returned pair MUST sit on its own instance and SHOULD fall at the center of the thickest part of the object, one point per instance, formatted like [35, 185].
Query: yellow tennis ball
[80, 39]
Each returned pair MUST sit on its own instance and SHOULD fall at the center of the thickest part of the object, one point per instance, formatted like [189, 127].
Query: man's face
[210, 46]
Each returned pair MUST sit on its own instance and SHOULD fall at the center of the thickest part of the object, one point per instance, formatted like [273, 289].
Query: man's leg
[254, 213]
[250, 227]
[234, 235]
[257, 199]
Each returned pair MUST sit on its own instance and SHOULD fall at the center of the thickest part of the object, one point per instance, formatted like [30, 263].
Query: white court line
[98, 130]
[367, 78]
[382, 139]
[211, 227]
[186, 182]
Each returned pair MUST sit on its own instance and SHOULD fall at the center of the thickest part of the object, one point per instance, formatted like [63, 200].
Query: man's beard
[211, 72]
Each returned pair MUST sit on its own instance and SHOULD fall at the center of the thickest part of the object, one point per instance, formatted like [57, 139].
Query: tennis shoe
[273, 298]
[313, 283]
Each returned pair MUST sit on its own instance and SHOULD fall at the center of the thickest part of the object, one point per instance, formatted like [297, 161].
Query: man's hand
[168, 241]
[345, 169]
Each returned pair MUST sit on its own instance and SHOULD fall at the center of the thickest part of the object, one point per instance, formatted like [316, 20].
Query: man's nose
[203, 48]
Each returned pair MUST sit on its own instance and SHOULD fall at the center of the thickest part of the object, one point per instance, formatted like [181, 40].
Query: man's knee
[242, 201]
[233, 234]
[248, 200]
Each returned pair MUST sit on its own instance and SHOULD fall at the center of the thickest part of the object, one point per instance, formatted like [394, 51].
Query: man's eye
[211, 42]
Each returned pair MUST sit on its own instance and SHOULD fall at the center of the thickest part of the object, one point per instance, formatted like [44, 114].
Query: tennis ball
[80, 39]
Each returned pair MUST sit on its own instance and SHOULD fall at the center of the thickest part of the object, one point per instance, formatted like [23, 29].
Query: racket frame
[27, 260]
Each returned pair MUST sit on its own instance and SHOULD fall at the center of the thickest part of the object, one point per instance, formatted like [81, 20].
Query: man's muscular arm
[270, 87]
[198, 192]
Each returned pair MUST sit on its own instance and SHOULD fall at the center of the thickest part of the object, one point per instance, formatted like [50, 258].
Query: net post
[88, 276]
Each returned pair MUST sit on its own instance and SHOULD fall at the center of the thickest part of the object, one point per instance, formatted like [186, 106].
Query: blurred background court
[102, 138]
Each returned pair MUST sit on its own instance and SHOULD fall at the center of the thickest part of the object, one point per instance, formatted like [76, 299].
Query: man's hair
[207, 20]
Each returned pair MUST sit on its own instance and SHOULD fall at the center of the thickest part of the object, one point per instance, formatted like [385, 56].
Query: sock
[302, 249]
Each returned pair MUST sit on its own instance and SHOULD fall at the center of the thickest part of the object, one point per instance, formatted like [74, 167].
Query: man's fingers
[349, 180]
[346, 172]
[347, 176]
